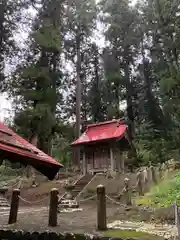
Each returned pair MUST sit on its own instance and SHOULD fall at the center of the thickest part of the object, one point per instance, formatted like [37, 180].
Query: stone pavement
[166, 231]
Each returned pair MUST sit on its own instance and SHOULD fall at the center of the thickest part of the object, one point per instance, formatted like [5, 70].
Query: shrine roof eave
[99, 142]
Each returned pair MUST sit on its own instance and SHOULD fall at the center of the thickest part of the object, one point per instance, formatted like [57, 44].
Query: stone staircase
[3, 202]
[80, 184]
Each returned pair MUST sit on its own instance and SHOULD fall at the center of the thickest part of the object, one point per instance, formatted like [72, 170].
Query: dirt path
[36, 219]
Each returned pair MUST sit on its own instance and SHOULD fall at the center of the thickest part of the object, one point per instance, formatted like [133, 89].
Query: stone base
[68, 204]
[70, 210]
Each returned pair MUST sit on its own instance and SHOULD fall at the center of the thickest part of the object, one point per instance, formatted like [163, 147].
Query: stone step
[81, 184]
[4, 202]
[76, 190]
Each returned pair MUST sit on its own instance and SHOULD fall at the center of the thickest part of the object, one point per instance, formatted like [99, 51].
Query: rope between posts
[134, 188]
[122, 192]
[32, 202]
[17, 183]
[87, 199]
[112, 200]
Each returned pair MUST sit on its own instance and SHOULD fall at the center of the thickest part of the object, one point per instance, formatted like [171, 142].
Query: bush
[164, 194]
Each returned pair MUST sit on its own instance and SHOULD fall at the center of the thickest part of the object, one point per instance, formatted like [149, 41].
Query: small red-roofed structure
[102, 145]
[16, 149]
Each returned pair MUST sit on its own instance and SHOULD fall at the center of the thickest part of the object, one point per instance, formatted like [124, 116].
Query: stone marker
[149, 174]
[101, 208]
[154, 178]
[139, 177]
[145, 179]
[160, 172]
[166, 170]
[127, 192]
[163, 170]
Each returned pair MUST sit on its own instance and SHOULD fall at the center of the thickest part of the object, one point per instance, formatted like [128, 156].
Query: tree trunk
[2, 33]
[30, 170]
[78, 98]
[129, 93]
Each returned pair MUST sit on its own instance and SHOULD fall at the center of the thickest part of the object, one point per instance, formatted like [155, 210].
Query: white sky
[5, 102]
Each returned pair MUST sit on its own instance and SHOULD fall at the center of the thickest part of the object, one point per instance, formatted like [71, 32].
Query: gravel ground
[36, 219]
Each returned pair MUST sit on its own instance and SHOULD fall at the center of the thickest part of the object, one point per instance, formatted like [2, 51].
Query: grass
[131, 235]
[164, 194]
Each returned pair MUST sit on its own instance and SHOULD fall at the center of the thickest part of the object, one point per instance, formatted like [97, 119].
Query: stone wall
[115, 184]
[20, 235]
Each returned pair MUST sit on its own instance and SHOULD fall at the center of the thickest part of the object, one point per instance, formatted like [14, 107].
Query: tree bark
[78, 98]
[129, 93]
[30, 170]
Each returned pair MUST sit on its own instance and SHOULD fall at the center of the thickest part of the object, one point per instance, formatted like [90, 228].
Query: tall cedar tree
[38, 79]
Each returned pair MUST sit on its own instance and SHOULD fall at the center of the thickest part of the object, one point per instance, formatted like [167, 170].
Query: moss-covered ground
[131, 235]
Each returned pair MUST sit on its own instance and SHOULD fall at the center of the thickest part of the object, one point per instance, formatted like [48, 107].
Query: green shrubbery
[8, 174]
[164, 194]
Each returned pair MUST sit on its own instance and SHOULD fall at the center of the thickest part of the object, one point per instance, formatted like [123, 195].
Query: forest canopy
[89, 61]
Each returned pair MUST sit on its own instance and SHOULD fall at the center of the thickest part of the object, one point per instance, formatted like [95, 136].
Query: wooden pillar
[121, 162]
[112, 159]
[101, 208]
[53, 207]
[84, 162]
[118, 162]
[14, 206]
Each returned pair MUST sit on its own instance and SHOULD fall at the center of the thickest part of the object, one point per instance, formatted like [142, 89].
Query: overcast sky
[5, 103]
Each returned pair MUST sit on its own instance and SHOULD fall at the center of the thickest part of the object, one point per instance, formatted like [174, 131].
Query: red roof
[102, 131]
[18, 149]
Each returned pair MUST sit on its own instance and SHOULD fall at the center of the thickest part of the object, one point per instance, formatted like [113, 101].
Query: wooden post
[119, 163]
[112, 159]
[14, 206]
[101, 208]
[122, 163]
[53, 208]
[84, 163]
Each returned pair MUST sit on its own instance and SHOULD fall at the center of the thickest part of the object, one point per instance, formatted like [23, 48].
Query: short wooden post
[14, 206]
[101, 208]
[53, 207]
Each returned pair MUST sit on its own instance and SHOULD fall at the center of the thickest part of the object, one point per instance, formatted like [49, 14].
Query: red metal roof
[16, 148]
[102, 131]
